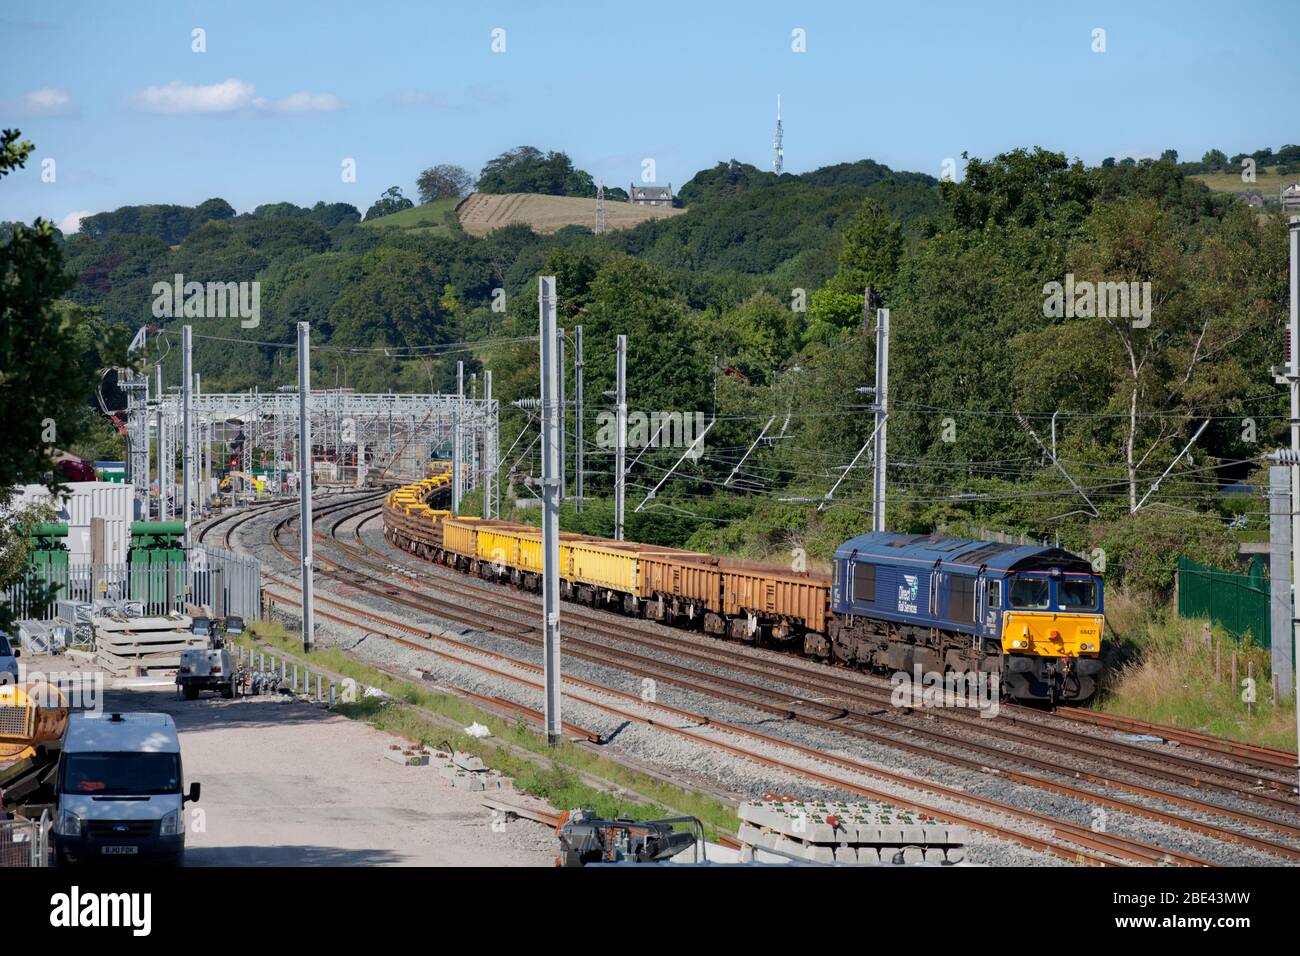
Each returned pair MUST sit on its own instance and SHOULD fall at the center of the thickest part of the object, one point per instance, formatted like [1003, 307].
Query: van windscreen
[106, 774]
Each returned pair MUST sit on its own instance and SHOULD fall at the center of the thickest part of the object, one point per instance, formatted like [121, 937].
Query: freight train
[1030, 615]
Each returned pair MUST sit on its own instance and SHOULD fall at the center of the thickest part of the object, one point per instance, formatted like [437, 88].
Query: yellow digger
[32, 721]
[250, 481]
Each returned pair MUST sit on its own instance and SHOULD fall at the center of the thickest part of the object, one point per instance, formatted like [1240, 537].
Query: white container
[98, 499]
[24, 495]
[113, 502]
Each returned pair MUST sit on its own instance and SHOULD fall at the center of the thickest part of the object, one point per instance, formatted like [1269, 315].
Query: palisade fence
[1239, 603]
[227, 583]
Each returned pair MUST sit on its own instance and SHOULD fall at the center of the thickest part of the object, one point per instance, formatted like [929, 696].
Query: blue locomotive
[1031, 615]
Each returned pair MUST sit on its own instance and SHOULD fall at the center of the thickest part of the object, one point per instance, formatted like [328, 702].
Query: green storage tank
[49, 549]
[155, 546]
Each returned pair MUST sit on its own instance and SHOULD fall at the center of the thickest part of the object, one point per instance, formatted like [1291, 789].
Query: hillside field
[483, 212]
[1267, 181]
[426, 218]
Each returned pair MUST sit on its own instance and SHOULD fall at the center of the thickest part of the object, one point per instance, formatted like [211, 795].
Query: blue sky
[114, 94]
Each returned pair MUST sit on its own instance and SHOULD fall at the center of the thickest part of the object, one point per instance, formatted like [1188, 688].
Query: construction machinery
[33, 718]
[258, 485]
[588, 840]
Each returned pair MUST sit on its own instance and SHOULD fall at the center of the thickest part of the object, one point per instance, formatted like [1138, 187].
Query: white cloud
[47, 101]
[178, 97]
[230, 96]
[72, 221]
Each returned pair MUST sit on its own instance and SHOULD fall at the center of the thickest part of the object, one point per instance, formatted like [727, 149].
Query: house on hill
[1290, 196]
[650, 195]
[1253, 199]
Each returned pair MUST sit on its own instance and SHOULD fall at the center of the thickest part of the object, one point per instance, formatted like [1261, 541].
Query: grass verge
[1170, 677]
[560, 784]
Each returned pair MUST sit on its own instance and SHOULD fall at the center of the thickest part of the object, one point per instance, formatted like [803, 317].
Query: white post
[144, 437]
[187, 444]
[164, 511]
[882, 420]
[456, 476]
[489, 449]
[577, 418]
[564, 445]
[1279, 561]
[620, 436]
[550, 505]
[304, 480]
[1294, 235]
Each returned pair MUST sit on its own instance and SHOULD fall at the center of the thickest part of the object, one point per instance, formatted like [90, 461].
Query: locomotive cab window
[864, 583]
[961, 599]
[995, 594]
[1076, 594]
[1029, 592]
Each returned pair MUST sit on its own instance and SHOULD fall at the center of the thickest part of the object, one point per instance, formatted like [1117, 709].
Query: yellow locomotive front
[1051, 634]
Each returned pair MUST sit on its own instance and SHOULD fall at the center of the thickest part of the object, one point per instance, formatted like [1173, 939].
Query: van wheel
[228, 691]
[190, 692]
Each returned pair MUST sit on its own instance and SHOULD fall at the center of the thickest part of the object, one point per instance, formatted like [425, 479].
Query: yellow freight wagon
[605, 565]
[460, 536]
[498, 546]
[514, 551]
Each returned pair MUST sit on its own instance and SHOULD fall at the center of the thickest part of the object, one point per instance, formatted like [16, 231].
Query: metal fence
[228, 583]
[1239, 603]
[25, 842]
[225, 582]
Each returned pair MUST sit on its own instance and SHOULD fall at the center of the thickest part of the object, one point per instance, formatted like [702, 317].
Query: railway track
[836, 717]
[816, 679]
[500, 705]
[1274, 769]
[856, 711]
[1069, 841]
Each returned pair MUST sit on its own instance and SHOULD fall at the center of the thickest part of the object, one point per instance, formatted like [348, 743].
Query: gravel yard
[289, 784]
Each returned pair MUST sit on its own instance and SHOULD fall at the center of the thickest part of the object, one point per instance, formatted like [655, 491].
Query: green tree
[767, 334]
[1019, 188]
[390, 202]
[527, 169]
[1214, 159]
[832, 312]
[872, 250]
[51, 353]
[443, 181]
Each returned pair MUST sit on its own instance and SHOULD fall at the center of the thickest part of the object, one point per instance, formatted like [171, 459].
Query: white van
[120, 789]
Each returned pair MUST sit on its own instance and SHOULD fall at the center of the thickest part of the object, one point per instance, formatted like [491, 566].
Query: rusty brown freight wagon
[417, 532]
[680, 586]
[733, 596]
[786, 602]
